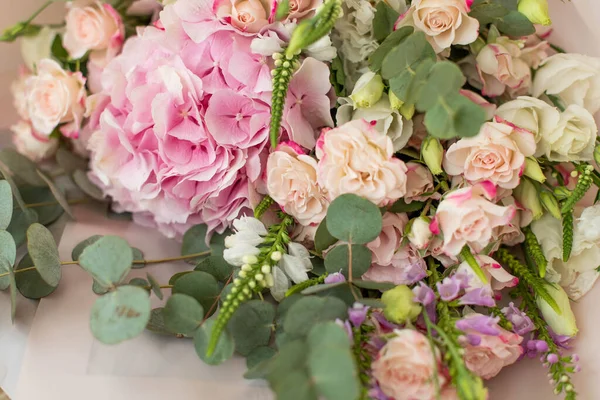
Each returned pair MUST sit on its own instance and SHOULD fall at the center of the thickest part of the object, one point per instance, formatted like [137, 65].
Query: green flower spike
[535, 251]
[567, 235]
[583, 185]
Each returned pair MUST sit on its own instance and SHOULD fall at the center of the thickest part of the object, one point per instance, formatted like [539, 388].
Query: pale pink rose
[497, 277]
[407, 266]
[19, 92]
[436, 250]
[468, 216]
[489, 108]
[292, 183]
[302, 9]
[496, 154]
[406, 365]
[94, 26]
[535, 54]
[30, 144]
[246, 15]
[511, 233]
[418, 182]
[500, 69]
[388, 241]
[356, 158]
[55, 96]
[444, 22]
[493, 353]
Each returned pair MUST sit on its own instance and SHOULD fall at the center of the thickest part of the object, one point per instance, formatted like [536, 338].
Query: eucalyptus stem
[54, 203]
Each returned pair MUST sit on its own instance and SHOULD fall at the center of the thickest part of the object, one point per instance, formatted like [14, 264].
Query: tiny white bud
[270, 282]
[259, 277]
[246, 267]
[574, 174]
[252, 284]
[250, 259]
[242, 274]
[246, 291]
[276, 256]
[277, 56]
[266, 269]
[569, 388]
[236, 303]
[564, 378]
[237, 282]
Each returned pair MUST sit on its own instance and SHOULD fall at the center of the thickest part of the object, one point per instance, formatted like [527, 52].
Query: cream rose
[496, 154]
[418, 182]
[246, 15]
[93, 26]
[535, 54]
[500, 69]
[55, 96]
[34, 147]
[573, 138]
[292, 183]
[300, 9]
[356, 158]
[445, 22]
[468, 216]
[388, 241]
[574, 78]
[406, 365]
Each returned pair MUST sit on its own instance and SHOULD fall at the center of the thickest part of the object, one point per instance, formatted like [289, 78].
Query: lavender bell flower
[479, 297]
[357, 314]
[449, 288]
[521, 323]
[535, 347]
[413, 272]
[423, 294]
[376, 393]
[335, 278]
[483, 324]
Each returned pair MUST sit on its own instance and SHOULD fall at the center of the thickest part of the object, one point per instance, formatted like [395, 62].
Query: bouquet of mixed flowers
[381, 199]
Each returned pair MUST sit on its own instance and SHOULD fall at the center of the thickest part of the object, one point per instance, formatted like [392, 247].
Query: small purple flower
[522, 324]
[336, 277]
[376, 393]
[414, 272]
[536, 346]
[347, 327]
[552, 358]
[483, 324]
[463, 278]
[423, 294]
[478, 297]
[357, 314]
[473, 340]
[561, 340]
[384, 322]
[449, 289]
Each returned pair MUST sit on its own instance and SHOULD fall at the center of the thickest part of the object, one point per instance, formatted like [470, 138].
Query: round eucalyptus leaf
[58, 194]
[20, 222]
[353, 219]
[82, 181]
[323, 239]
[178, 275]
[44, 253]
[201, 286]
[309, 311]
[157, 323]
[155, 286]
[69, 162]
[216, 266]
[5, 268]
[138, 256]
[251, 325]
[6, 204]
[76, 253]
[194, 241]
[225, 345]
[35, 195]
[22, 167]
[346, 256]
[108, 260]
[100, 290]
[182, 314]
[120, 315]
[259, 355]
[30, 283]
[8, 247]
[141, 282]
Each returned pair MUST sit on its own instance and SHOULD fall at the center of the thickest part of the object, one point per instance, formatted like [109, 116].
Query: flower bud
[395, 102]
[407, 111]
[368, 90]
[536, 11]
[527, 195]
[533, 170]
[597, 154]
[432, 153]
[563, 324]
[419, 233]
[562, 193]
[399, 305]
[551, 204]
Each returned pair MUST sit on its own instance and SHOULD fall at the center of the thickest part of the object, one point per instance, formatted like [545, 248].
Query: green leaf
[182, 314]
[321, 288]
[487, 12]
[155, 286]
[345, 257]
[120, 315]
[374, 303]
[216, 266]
[400, 206]
[323, 239]
[70, 162]
[58, 194]
[225, 345]
[156, 324]
[407, 84]
[8, 247]
[82, 181]
[384, 20]
[194, 241]
[393, 40]
[19, 224]
[15, 190]
[30, 283]
[407, 56]
[251, 325]
[290, 356]
[455, 116]
[22, 167]
[44, 253]
[5, 268]
[383, 286]
[76, 253]
[108, 260]
[6, 204]
[138, 256]
[309, 311]
[141, 282]
[515, 24]
[353, 219]
[445, 78]
[99, 289]
[178, 275]
[282, 10]
[46, 214]
[259, 355]
[201, 286]
[58, 50]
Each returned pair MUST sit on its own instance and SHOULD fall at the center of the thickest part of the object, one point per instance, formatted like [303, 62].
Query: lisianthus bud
[395, 102]
[562, 193]
[368, 90]
[536, 11]
[432, 153]
[399, 305]
[597, 154]
[563, 324]
[533, 170]
[551, 204]
[527, 195]
[419, 233]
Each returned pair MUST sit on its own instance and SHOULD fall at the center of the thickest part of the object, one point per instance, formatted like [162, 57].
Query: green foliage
[258, 355]
[337, 76]
[224, 346]
[44, 254]
[108, 260]
[182, 314]
[567, 224]
[534, 249]
[81, 180]
[217, 267]
[5, 268]
[155, 286]
[251, 326]
[35, 195]
[353, 219]
[201, 286]
[156, 324]
[400, 206]
[584, 183]
[30, 283]
[503, 14]
[283, 9]
[263, 206]
[76, 253]
[8, 247]
[21, 221]
[323, 239]
[22, 167]
[394, 39]
[120, 315]
[352, 259]
[310, 310]
[194, 241]
[58, 194]
[467, 256]
[384, 20]
[6, 204]
[310, 30]
[382, 286]
[69, 161]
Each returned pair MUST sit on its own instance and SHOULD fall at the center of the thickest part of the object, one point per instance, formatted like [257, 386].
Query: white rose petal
[574, 137]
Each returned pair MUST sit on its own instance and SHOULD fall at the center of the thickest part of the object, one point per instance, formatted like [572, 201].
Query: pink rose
[246, 15]
[497, 277]
[496, 154]
[511, 234]
[388, 241]
[418, 182]
[292, 183]
[55, 96]
[93, 26]
[405, 367]
[535, 54]
[406, 267]
[493, 352]
[356, 158]
[468, 216]
[302, 9]
[30, 144]
[500, 68]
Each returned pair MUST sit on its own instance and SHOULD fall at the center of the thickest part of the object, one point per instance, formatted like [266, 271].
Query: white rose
[34, 147]
[548, 231]
[387, 120]
[573, 138]
[420, 235]
[38, 47]
[19, 91]
[534, 115]
[445, 22]
[575, 78]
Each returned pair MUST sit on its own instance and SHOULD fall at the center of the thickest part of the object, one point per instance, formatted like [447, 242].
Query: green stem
[470, 259]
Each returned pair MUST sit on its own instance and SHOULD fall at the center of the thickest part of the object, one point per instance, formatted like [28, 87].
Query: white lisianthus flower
[563, 324]
[38, 47]
[573, 138]
[322, 49]
[249, 234]
[574, 78]
[292, 268]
